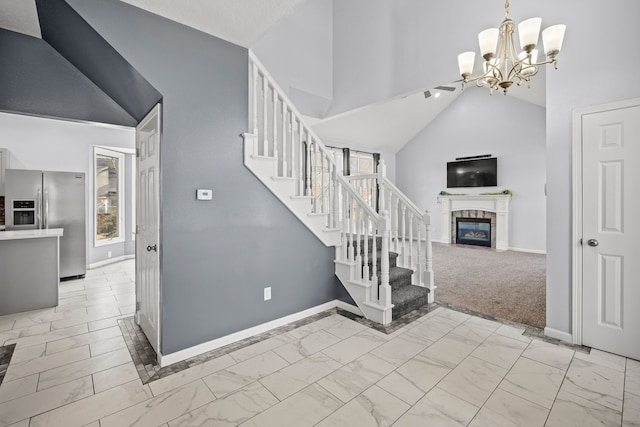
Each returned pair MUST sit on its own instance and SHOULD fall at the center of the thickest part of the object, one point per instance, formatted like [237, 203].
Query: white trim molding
[178, 356]
[576, 214]
[497, 203]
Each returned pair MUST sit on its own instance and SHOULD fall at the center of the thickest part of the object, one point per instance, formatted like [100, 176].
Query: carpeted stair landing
[405, 296]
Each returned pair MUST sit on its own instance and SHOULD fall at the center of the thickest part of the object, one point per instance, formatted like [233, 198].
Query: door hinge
[137, 152]
[580, 242]
[137, 305]
[137, 229]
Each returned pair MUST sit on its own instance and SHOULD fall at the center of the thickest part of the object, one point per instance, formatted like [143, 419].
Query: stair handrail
[255, 61]
[421, 263]
[357, 222]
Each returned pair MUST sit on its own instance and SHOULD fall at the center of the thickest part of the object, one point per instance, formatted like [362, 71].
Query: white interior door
[611, 230]
[148, 231]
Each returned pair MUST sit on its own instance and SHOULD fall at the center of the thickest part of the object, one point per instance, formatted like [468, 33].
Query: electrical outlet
[109, 254]
[267, 293]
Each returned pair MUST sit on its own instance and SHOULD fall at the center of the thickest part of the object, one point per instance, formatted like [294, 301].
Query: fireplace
[492, 206]
[473, 231]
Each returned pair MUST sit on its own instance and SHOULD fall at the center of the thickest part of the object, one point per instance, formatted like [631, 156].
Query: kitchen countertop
[30, 234]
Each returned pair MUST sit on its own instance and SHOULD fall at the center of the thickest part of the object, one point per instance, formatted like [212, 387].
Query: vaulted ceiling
[384, 125]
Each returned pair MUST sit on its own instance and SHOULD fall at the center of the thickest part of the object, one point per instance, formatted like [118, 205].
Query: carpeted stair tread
[392, 260]
[407, 299]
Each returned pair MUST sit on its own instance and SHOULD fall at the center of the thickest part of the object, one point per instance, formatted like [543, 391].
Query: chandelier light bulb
[465, 63]
[488, 40]
[552, 39]
[529, 31]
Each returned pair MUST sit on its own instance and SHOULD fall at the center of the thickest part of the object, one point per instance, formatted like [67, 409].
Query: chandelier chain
[506, 9]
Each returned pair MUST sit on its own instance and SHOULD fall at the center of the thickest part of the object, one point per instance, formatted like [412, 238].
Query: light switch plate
[204, 194]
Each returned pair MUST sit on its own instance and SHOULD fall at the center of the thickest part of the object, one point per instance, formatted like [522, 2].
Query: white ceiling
[383, 126]
[242, 22]
[387, 125]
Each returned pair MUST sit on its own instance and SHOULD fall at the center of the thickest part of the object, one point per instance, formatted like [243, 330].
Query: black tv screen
[473, 173]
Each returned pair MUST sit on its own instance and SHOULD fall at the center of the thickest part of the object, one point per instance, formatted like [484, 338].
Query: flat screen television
[473, 173]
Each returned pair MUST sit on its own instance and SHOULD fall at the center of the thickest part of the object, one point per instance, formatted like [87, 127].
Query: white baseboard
[106, 262]
[178, 356]
[531, 251]
[111, 261]
[560, 335]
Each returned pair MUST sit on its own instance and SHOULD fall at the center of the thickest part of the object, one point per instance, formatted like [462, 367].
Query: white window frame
[121, 199]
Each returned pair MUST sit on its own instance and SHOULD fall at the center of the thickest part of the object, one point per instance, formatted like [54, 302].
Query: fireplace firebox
[473, 231]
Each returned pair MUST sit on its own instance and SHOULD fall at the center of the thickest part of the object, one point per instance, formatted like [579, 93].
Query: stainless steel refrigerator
[41, 199]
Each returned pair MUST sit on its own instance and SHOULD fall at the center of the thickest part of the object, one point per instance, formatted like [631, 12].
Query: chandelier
[503, 65]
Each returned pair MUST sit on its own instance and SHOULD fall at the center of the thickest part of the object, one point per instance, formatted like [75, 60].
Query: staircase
[382, 240]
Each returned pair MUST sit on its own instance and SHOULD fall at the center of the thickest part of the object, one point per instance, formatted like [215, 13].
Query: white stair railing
[409, 227]
[278, 134]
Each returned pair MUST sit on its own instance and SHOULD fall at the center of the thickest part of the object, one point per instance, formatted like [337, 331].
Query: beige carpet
[508, 285]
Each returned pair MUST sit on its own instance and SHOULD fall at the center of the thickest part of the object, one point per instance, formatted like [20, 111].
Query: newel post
[428, 277]
[385, 289]
[382, 174]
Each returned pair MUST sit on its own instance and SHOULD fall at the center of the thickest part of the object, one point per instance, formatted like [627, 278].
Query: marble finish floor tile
[473, 380]
[306, 346]
[570, 410]
[596, 383]
[534, 381]
[82, 368]
[506, 410]
[441, 409]
[10, 390]
[549, 354]
[398, 350]
[93, 408]
[33, 404]
[435, 365]
[631, 414]
[500, 350]
[632, 377]
[450, 350]
[355, 377]
[372, 408]
[114, 377]
[299, 375]
[162, 409]
[238, 376]
[353, 347]
[304, 409]
[231, 410]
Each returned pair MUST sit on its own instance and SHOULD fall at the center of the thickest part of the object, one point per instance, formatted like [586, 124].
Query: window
[109, 191]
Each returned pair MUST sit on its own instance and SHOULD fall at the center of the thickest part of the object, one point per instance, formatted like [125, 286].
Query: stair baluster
[326, 201]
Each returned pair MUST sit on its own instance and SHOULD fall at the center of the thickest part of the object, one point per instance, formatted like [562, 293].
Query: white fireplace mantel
[497, 203]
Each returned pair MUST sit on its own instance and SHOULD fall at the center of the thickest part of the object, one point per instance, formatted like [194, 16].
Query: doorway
[148, 227]
[606, 205]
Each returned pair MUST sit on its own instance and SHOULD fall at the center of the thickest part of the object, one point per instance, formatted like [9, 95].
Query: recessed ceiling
[242, 22]
[20, 16]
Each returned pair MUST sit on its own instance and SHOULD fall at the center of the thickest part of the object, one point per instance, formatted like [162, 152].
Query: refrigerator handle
[45, 222]
[38, 210]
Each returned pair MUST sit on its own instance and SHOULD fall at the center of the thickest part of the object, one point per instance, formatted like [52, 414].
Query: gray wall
[474, 124]
[37, 80]
[599, 51]
[216, 256]
[74, 39]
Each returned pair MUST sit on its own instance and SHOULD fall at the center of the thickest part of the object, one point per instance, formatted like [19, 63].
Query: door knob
[152, 248]
[592, 242]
